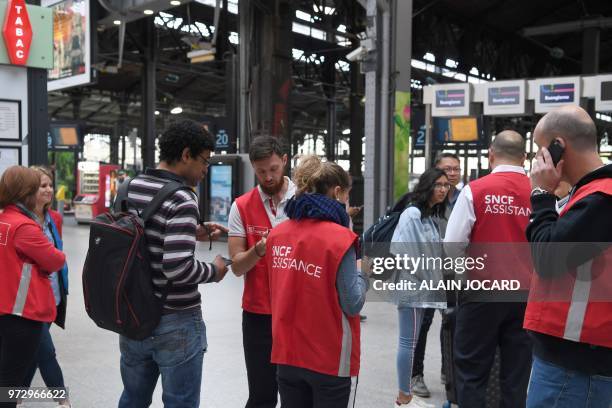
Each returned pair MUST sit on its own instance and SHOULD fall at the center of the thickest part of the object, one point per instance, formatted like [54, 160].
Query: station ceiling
[485, 39]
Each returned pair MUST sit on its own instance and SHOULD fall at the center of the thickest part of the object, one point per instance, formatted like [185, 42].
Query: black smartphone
[227, 261]
[556, 151]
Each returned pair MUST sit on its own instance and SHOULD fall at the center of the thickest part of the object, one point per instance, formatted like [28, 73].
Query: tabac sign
[17, 32]
[27, 35]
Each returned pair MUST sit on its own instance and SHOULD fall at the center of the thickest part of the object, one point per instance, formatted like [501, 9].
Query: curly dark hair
[180, 135]
[422, 194]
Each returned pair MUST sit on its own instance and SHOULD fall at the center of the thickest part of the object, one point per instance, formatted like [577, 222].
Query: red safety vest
[576, 320]
[24, 289]
[309, 329]
[256, 294]
[502, 207]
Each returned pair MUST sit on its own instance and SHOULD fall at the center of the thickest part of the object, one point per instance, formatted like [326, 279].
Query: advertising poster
[402, 144]
[71, 44]
[220, 193]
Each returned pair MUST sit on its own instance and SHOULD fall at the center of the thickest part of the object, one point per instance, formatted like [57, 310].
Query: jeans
[410, 319]
[46, 362]
[552, 386]
[176, 351]
[418, 365]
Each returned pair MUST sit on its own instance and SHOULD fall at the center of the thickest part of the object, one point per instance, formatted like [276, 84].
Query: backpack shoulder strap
[121, 199]
[162, 195]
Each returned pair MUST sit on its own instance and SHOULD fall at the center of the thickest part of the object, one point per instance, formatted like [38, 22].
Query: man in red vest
[569, 313]
[482, 327]
[251, 217]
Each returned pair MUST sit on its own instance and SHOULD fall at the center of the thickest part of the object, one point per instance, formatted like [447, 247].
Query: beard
[273, 189]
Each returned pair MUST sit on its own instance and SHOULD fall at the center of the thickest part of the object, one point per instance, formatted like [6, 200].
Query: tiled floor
[89, 356]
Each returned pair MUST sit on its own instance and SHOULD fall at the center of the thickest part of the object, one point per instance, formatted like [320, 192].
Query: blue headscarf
[317, 206]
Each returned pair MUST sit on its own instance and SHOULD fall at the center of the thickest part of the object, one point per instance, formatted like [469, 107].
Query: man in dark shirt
[176, 348]
[572, 332]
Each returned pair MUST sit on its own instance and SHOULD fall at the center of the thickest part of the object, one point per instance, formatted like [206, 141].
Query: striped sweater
[171, 240]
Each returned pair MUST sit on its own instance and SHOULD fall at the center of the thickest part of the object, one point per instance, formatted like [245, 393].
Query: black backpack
[382, 230]
[117, 276]
[376, 240]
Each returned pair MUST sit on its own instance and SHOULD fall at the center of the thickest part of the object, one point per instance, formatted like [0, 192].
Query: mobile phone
[556, 151]
[227, 261]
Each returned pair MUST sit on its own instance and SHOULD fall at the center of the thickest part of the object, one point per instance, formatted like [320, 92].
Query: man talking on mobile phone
[571, 332]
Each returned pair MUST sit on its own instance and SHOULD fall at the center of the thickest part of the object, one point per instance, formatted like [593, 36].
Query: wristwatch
[538, 191]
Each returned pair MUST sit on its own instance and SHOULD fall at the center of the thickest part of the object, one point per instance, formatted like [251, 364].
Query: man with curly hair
[176, 348]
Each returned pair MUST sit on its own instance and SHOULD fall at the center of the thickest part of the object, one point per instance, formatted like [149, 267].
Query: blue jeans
[46, 361]
[556, 387]
[176, 351]
[410, 319]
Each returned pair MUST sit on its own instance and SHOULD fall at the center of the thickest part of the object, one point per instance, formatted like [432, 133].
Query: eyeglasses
[442, 186]
[205, 161]
[451, 169]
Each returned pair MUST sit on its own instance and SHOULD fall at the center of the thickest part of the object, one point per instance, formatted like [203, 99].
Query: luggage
[493, 396]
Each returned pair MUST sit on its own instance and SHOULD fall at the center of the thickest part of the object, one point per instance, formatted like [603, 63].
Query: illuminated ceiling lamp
[176, 110]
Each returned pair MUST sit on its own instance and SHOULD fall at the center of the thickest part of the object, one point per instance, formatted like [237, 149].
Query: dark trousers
[480, 329]
[19, 341]
[261, 374]
[46, 362]
[302, 388]
[418, 365]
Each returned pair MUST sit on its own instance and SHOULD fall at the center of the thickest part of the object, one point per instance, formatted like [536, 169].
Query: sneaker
[416, 402]
[418, 387]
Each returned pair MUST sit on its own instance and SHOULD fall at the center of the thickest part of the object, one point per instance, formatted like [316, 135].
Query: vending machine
[96, 190]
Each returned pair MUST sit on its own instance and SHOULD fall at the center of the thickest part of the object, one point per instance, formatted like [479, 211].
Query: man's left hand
[210, 231]
[543, 173]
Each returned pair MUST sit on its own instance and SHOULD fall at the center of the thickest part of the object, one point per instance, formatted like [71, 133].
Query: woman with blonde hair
[51, 223]
[316, 291]
[27, 259]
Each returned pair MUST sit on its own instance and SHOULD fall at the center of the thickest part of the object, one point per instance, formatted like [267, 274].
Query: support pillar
[38, 116]
[149, 96]
[357, 118]
[266, 54]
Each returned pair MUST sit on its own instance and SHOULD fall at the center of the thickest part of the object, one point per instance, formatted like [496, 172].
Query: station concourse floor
[89, 356]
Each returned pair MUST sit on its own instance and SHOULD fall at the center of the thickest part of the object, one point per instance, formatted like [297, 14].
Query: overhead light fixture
[177, 110]
[156, 113]
[201, 55]
[175, 3]
[148, 12]
[117, 22]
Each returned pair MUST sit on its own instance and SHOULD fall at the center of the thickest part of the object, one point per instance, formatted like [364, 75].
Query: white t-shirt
[235, 224]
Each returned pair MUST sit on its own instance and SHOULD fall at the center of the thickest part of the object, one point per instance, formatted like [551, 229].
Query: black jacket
[588, 221]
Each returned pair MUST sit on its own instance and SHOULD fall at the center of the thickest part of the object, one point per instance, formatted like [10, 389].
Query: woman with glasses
[417, 235]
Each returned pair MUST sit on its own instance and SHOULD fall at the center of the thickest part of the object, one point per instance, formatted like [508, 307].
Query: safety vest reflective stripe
[22, 291]
[344, 369]
[579, 302]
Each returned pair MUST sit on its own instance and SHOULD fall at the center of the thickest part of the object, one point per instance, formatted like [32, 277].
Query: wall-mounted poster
[10, 120]
[9, 156]
[71, 44]
[220, 193]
